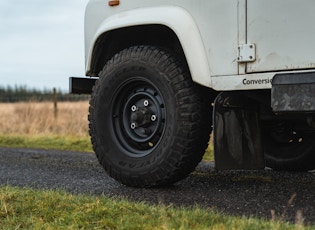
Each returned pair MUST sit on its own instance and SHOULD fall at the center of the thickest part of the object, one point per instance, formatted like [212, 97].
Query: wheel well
[110, 43]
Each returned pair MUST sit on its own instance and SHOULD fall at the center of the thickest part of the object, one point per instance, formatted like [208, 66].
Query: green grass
[82, 144]
[34, 209]
[209, 154]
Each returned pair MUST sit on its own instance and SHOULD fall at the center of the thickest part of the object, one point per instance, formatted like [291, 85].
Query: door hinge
[246, 53]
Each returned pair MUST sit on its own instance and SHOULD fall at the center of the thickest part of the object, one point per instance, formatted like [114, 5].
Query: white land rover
[165, 73]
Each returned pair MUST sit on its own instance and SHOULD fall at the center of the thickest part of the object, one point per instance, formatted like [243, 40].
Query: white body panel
[196, 25]
[179, 20]
[211, 31]
[284, 34]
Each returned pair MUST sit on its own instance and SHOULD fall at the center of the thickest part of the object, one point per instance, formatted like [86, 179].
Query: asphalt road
[240, 193]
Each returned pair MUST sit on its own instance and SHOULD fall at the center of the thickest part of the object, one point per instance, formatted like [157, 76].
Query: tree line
[11, 94]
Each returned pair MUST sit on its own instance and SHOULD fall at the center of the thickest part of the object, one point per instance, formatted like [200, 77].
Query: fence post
[55, 103]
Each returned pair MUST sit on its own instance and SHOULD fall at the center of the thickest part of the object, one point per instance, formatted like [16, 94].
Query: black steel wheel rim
[138, 117]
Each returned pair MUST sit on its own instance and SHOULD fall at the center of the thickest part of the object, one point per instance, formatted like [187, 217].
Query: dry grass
[37, 118]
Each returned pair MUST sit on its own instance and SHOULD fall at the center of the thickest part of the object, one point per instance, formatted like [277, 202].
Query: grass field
[38, 119]
[34, 125]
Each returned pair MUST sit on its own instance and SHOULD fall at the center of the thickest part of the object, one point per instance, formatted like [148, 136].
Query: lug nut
[133, 125]
[153, 118]
[133, 108]
[146, 103]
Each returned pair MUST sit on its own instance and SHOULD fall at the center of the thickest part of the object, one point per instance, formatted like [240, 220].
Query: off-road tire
[149, 86]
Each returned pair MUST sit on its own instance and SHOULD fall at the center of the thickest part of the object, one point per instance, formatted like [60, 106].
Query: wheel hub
[138, 117]
[142, 117]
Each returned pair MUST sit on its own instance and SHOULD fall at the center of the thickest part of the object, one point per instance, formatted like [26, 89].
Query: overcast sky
[41, 42]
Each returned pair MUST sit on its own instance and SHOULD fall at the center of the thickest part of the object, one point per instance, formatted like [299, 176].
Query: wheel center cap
[141, 116]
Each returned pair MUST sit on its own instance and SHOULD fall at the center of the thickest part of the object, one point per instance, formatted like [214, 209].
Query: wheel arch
[174, 29]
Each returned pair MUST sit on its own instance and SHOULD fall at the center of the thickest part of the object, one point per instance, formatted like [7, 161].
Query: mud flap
[237, 137]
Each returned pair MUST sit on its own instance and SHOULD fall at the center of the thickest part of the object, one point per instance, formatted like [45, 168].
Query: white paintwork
[198, 26]
[176, 18]
[284, 33]
[210, 32]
